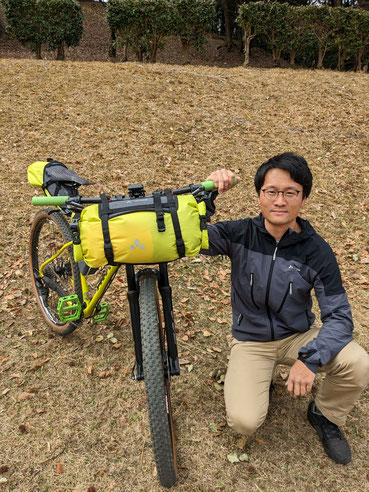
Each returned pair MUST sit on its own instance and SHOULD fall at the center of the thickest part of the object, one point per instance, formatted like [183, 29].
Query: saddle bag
[152, 229]
[55, 178]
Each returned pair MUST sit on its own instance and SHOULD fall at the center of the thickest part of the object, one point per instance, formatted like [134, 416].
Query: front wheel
[157, 383]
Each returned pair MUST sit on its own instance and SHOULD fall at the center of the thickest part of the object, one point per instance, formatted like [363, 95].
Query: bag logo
[137, 245]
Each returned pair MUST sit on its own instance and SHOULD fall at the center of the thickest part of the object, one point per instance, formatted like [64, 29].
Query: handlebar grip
[209, 185]
[58, 201]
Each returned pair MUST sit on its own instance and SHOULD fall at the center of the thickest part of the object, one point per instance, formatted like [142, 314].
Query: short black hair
[295, 164]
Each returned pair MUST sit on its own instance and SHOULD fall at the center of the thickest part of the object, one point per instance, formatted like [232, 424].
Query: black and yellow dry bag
[150, 229]
[54, 178]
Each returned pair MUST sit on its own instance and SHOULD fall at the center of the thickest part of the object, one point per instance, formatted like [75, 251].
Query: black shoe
[334, 443]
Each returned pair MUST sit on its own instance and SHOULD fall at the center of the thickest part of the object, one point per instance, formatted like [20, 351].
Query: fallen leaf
[233, 458]
[41, 364]
[25, 396]
[90, 370]
[99, 338]
[3, 480]
[244, 457]
[59, 468]
[3, 469]
[206, 333]
[260, 441]
[213, 427]
[241, 443]
[189, 367]
[6, 391]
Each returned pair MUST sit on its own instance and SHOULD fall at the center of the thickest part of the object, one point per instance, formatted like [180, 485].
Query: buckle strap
[74, 227]
[104, 216]
[181, 249]
[159, 211]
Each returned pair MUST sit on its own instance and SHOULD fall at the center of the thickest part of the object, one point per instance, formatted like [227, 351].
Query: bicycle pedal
[69, 308]
[102, 314]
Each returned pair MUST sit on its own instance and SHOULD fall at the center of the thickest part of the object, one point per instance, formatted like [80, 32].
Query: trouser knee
[355, 368]
[244, 423]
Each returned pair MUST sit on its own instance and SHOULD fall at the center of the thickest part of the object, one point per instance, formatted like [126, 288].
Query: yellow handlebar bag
[144, 230]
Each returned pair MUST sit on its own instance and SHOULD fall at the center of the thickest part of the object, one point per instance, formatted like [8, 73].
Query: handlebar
[62, 201]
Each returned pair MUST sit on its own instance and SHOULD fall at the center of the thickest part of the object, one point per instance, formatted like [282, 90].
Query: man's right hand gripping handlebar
[224, 179]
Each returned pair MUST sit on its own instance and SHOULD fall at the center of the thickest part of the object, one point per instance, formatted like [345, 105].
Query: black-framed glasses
[271, 194]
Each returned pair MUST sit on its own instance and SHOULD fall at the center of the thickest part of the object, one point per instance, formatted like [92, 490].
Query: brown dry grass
[166, 126]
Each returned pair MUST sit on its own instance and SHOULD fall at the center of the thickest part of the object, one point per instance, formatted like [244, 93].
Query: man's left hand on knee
[300, 379]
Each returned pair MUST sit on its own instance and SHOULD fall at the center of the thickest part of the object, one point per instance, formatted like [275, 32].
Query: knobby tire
[50, 231]
[157, 383]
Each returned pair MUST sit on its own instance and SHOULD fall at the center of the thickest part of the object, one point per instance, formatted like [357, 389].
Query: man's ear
[303, 201]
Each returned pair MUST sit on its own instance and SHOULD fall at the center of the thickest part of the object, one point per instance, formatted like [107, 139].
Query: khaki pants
[250, 371]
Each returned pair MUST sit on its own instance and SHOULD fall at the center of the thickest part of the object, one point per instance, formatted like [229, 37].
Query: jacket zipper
[268, 291]
[252, 290]
[289, 290]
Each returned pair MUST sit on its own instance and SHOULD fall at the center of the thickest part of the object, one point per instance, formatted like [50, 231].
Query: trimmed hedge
[52, 22]
[144, 25]
[307, 32]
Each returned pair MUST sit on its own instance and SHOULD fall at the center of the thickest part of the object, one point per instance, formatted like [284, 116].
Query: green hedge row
[307, 32]
[144, 25]
[52, 22]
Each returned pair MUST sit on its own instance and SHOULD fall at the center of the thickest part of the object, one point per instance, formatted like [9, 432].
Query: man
[277, 258]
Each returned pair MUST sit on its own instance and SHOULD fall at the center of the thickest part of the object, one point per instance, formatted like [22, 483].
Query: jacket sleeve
[337, 324]
[219, 240]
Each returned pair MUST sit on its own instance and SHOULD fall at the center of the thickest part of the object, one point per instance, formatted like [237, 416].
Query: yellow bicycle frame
[90, 303]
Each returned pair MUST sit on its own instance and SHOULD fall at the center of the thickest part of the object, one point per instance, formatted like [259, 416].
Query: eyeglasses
[288, 195]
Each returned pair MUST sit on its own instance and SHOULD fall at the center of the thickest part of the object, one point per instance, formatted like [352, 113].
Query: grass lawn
[167, 126]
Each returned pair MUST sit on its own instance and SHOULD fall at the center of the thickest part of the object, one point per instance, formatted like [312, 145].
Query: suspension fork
[170, 329]
[134, 308]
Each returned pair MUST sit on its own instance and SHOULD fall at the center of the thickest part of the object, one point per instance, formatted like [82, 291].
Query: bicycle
[62, 292]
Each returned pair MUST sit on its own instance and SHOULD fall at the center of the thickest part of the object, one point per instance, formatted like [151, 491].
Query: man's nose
[280, 200]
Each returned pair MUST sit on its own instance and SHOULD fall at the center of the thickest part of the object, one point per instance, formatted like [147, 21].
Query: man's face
[280, 212]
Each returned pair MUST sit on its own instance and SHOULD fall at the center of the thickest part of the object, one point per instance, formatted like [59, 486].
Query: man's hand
[300, 380]
[223, 179]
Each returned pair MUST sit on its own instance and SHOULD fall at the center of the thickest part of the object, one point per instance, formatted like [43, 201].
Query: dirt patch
[167, 125]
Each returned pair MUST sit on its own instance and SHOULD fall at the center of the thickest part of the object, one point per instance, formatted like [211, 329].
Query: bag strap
[159, 211]
[177, 228]
[104, 216]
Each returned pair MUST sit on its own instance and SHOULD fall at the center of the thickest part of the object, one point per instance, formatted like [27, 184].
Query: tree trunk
[113, 44]
[227, 25]
[2, 30]
[60, 54]
[154, 48]
[247, 38]
[320, 56]
[186, 52]
[38, 52]
[125, 52]
[359, 57]
[292, 58]
[340, 61]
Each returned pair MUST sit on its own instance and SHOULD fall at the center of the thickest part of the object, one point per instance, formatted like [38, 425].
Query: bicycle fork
[171, 357]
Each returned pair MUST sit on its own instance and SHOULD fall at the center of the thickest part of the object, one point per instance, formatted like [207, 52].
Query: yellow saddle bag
[151, 229]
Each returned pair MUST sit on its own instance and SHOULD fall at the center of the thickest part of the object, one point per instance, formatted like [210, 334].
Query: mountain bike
[61, 284]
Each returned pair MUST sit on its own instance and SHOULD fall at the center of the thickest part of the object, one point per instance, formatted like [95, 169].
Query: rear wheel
[157, 383]
[61, 277]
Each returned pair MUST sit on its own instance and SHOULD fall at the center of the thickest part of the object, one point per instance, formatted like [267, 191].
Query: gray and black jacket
[272, 282]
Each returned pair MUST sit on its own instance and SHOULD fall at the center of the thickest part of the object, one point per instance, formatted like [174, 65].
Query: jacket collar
[290, 236]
